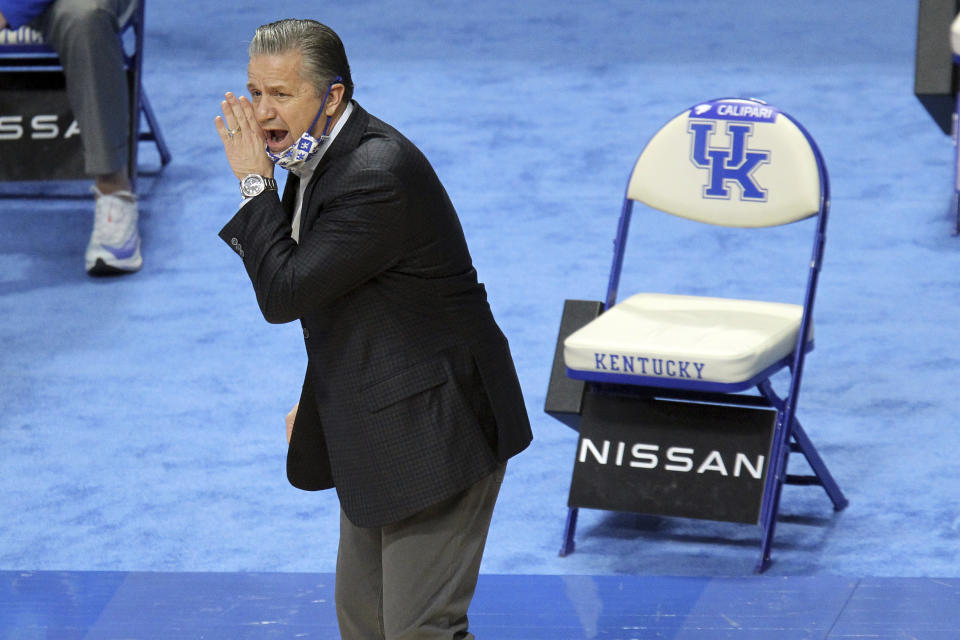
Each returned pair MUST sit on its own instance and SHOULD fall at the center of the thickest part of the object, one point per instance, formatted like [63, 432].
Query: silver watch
[254, 185]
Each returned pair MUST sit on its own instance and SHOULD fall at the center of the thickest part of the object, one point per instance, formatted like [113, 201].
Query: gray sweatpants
[84, 35]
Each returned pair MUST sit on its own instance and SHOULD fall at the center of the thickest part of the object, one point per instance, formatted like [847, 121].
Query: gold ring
[233, 132]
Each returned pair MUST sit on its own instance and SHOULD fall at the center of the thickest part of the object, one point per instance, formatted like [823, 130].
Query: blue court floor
[236, 606]
[141, 419]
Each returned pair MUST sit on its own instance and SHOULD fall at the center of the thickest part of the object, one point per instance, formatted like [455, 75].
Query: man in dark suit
[410, 405]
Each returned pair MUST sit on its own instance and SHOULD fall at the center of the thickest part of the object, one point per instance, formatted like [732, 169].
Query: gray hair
[324, 59]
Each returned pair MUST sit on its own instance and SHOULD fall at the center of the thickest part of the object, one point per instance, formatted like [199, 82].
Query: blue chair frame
[956, 155]
[955, 132]
[789, 436]
[34, 57]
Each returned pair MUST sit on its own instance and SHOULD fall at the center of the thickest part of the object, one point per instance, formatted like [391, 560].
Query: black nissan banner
[672, 458]
[39, 138]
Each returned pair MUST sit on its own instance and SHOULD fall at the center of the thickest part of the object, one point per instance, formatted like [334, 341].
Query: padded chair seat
[694, 340]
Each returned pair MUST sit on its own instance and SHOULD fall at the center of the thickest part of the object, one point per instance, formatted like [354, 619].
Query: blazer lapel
[346, 141]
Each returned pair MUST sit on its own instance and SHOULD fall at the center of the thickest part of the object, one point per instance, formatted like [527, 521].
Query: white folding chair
[732, 163]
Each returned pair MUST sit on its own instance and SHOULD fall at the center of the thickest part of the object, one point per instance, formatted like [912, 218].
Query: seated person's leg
[85, 35]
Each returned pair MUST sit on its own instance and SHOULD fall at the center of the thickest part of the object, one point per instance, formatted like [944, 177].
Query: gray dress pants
[84, 33]
[414, 580]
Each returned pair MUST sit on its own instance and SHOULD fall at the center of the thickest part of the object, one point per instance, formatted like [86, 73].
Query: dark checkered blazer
[410, 394]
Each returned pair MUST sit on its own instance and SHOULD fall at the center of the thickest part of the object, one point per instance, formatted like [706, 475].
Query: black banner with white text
[39, 138]
[672, 458]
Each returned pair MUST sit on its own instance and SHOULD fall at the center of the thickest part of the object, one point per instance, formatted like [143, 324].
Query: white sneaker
[115, 242]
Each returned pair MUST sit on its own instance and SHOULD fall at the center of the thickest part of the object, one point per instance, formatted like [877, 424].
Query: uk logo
[728, 168]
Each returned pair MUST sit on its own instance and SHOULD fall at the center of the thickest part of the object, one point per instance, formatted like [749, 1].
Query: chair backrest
[731, 162]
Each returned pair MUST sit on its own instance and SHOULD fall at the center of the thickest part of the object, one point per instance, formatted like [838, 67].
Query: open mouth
[276, 138]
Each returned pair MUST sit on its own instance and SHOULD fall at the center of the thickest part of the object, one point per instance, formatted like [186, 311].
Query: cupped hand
[243, 139]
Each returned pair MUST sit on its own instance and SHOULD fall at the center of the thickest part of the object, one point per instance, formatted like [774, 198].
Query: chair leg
[777, 472]
[819, 467]
[766, 540]
[133, 167]
[154, 134]
[956, 165]
[566, 548]
[770, 505]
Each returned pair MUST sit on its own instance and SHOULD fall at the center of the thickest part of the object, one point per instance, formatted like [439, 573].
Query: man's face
[285, 104]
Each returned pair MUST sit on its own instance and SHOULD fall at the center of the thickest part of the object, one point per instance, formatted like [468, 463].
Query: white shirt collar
[305, 172]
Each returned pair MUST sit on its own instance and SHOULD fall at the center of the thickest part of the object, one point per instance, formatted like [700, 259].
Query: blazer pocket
[403, 385]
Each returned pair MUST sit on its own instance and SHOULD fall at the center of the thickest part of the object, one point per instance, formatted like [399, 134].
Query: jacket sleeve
[357, 236]
[21, 12]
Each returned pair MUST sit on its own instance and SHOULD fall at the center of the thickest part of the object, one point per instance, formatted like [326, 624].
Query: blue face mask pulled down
[306, 145]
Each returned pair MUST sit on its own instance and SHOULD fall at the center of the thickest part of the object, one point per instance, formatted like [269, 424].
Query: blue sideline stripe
[145, 605]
